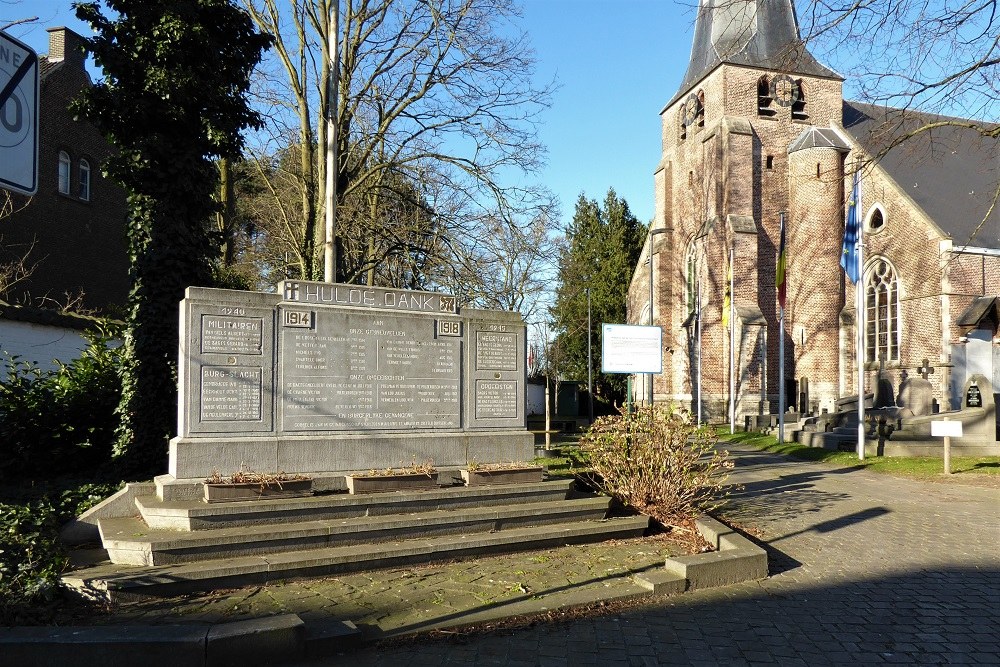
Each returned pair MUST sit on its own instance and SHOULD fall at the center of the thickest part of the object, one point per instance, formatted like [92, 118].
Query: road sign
[18, 116]
[631, 349]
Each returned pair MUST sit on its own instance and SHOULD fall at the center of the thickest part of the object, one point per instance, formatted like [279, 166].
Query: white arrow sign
[18, 116]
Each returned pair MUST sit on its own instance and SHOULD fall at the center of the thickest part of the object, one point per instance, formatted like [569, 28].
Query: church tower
[746, 137]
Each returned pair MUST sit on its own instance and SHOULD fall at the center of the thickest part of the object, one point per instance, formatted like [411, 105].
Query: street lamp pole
[330, 193]
[652, 237]
[590, 365]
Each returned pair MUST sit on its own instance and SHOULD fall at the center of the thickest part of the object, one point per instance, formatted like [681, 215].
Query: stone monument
[979, 410]
[332, 378]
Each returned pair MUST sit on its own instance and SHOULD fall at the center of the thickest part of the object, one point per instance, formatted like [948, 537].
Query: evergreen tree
[602, 247]
[173, 98]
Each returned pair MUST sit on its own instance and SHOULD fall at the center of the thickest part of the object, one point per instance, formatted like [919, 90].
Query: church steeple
[755, 33]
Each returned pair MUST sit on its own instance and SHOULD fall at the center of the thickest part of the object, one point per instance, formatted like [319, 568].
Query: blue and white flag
[852, 234]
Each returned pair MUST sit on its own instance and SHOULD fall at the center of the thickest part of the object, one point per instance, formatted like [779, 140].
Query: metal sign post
[18, 116]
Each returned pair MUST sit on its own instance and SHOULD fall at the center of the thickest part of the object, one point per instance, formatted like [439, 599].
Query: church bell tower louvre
[749, 134]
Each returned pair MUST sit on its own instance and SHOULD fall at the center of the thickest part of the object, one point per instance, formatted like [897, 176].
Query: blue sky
[617, 63]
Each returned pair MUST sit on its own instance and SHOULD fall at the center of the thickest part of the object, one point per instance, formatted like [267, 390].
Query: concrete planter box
[503, 476]
[384, 483]
[228, 493]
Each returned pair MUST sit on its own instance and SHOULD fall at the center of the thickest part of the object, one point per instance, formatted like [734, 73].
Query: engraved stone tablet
[973, 397]
[367, 371]
[496, 350]
[496, 399]
[231, 335]
[230, 393]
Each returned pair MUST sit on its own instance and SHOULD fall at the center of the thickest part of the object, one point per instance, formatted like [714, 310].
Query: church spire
[755, 33]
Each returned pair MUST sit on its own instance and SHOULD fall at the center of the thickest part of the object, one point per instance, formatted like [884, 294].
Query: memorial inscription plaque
[369, 371]
[326, 377]
[230, 393]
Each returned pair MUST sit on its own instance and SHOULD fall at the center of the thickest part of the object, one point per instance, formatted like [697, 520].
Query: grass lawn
[964, 468]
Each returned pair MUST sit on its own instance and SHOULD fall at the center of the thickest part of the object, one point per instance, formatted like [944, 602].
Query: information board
[627, 348]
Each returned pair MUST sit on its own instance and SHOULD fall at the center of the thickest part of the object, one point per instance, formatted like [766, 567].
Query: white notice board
[626, 348]
[952, 429]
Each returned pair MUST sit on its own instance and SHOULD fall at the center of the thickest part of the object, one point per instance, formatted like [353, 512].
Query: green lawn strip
[915, 466]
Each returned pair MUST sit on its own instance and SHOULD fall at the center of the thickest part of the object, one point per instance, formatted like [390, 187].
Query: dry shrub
[658, 462]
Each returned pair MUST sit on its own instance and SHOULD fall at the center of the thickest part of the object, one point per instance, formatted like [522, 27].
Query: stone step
[130, 541]
[198, 515]
[120, 583]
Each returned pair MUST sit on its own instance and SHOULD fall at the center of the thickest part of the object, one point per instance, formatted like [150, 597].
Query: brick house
[760, 129]
[73, 229]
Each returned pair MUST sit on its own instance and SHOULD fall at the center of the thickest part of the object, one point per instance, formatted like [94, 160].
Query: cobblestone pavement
[864, 569]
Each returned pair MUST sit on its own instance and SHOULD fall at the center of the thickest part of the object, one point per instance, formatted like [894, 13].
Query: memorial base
[195, 457]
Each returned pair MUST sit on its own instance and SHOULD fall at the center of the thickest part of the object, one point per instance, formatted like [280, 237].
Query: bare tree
[940, 57]
[437, 108]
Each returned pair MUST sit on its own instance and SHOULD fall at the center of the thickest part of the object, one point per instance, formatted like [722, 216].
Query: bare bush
[658, 462]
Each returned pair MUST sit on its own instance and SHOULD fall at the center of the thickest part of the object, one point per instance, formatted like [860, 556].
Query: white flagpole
[781, 359]
[860, 301]
[732, 345]
[329, 244]
[698, 345]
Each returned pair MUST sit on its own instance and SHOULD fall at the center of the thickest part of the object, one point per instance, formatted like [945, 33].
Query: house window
[64, 172]
[799, 103]
[769, 162]
[84, 189]
[764, 98]
[881, 313]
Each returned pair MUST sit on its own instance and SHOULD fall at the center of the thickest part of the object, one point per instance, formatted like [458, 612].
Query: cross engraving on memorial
[926, 369]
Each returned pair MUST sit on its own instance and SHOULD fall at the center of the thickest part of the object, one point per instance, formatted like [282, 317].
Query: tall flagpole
[781, 334]
[860, 300]
[329, 244]
[698, 344]
[732, 345]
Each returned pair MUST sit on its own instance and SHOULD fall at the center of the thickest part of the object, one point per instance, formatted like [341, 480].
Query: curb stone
[260, 641]
[735, 560]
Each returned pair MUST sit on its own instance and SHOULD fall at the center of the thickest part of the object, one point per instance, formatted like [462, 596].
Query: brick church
[759, 130]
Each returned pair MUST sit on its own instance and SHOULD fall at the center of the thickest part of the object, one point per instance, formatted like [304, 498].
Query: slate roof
[951, 172]
[759, 33]
[984, 310]
[819, 137]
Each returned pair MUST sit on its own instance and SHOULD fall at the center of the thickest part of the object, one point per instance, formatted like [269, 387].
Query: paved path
[864, 569]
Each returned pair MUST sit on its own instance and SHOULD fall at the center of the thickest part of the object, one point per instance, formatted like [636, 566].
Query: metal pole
[732, 343]
[652, 237]
[781, 374]
[329, 244]
[698, 343]
[781, 363]
[860, 290]
[651, 309]
[590, 365]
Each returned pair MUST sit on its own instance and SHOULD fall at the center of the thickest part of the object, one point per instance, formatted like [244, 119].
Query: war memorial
[327, 378]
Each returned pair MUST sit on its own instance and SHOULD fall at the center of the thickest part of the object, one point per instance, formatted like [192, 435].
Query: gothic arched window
[700, 112]
[881, 313]
[682, 114]
[876, 220]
